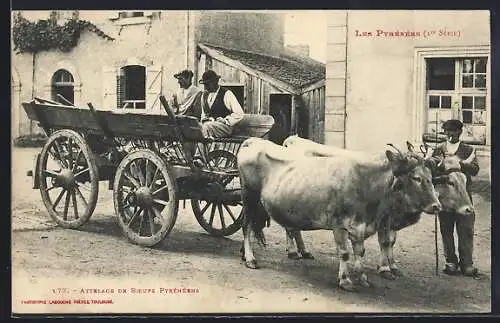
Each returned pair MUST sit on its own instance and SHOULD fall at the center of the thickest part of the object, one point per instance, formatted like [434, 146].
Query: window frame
[419, 125]
[56, 84]
[126, 103]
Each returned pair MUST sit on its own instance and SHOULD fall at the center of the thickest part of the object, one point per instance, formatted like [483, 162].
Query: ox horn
[410, 146]
[399, 151]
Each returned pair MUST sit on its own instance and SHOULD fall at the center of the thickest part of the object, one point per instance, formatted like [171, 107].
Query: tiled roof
[290, 68]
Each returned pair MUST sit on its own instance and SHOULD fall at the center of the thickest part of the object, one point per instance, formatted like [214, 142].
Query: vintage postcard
[136, 188]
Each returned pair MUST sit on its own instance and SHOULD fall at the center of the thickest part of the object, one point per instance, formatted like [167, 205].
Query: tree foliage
[47, 34]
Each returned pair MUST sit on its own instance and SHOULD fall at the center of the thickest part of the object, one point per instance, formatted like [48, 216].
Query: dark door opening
[280, 106]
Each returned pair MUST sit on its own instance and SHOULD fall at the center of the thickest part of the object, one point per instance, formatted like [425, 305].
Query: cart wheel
[220, 219]
[67, 171]
[145, 197]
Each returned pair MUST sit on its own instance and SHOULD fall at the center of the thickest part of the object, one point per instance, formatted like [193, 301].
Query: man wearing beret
[461, 156]
[221, 111]
[187, 99]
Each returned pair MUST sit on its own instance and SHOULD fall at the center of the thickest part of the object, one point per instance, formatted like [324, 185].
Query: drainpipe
[345, 83]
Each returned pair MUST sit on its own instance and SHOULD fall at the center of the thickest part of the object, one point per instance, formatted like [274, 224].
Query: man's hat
[209, 76]
[184, 74]
[452, 124]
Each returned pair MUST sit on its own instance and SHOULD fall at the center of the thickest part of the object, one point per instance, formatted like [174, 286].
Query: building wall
[258, 32]
[162, 44]
[380, 71]
[167, 44]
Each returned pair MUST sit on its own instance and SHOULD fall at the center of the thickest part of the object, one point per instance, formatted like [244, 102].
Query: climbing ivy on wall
[46, 34]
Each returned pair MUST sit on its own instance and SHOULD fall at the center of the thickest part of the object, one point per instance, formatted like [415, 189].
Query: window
[456, 88]
[63, 86]
[131, 87]
[130, 14]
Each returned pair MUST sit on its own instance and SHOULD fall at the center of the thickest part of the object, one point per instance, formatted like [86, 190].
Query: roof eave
[237, 64]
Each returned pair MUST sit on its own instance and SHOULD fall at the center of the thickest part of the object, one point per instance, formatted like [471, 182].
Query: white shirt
[231, 103]
[186, 97]
[451, 149]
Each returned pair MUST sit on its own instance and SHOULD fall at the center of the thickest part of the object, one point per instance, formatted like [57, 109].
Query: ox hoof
[307, 255]
[293, 255]
[396, 272]
[387, 275]
[252, 264]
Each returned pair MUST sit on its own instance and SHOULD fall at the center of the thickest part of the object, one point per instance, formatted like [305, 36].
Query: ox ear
[440, 179]
[398, 162]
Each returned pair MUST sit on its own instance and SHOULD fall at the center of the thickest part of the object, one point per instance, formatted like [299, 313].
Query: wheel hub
[65, 178]
[143, 197]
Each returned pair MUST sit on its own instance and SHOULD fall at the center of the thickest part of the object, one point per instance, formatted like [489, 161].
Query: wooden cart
[144, 159]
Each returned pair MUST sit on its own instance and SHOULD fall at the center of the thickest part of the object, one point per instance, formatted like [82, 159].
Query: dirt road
[209, 269]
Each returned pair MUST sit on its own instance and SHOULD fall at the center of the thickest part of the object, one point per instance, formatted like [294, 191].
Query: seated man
[187, 99]
[221, 110]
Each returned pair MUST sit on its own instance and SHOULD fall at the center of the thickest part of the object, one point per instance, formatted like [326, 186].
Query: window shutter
[109, 86]
[153, 88]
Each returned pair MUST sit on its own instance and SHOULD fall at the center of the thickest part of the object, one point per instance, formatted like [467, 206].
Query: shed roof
[290, 68]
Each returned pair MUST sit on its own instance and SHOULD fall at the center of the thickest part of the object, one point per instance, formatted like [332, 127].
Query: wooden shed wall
[311, 107]
[257, 91]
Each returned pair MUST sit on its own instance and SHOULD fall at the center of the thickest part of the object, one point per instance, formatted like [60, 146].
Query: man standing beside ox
[462, 157]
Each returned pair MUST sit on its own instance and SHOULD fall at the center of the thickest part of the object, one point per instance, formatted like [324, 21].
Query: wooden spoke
[221, 216]
[162, 202]
[151, 222]
[132, 179]
[75, 165]
[147, 174]
[50, 172]
[81, 172]
[66, 206]
[75, 206]
[50, 188]
[142, 221]
[230, 212]
[58, 150]
[136, 213]
[205, 208]
[58, 199]
[154, 177]
[139, 173]
[212, 215]
[159, 190]
[70, 153]
[79, 193]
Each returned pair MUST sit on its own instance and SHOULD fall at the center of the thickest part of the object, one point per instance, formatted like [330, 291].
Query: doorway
[280, 107]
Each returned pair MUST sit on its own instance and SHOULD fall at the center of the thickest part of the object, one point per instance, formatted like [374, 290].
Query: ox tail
[259, 222]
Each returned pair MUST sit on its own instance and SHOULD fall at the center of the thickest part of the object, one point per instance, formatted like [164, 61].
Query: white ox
[335, 193]
[396, 215]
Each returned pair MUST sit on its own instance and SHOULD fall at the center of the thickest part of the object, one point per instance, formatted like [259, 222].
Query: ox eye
[417, 179]
[451, 184]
